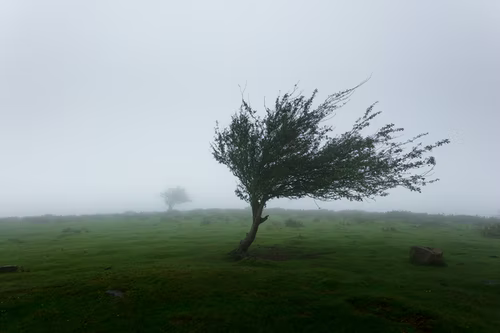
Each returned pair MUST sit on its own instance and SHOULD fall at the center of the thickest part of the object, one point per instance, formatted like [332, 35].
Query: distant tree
[289, 154]
[175, 196]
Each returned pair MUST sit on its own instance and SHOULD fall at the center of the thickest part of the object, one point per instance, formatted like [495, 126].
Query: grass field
[340, 272]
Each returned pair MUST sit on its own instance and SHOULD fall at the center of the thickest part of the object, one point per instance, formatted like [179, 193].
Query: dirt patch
[273, 252]
[283, 253]
[390, 309]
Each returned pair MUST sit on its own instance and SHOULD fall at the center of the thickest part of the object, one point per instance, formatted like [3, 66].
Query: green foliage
[491, 231]
[40, 219]
[344, 223]
[291, 223]
[290, 153]
[74, 230]
[170, 219]
[206, 221]
[175, 196]
[276, 224]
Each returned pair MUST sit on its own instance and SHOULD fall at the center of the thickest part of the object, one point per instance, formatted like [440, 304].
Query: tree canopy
[290, 153]
[174, 196]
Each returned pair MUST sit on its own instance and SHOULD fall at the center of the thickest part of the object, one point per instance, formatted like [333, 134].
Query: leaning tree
[174, 196]
[289, 153]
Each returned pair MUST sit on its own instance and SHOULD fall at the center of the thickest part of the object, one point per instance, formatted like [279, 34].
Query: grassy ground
[335, 274]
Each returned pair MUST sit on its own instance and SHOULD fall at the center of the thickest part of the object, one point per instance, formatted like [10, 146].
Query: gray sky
[103, 104]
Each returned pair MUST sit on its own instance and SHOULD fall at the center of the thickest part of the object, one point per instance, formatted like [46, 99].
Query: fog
[104, 104]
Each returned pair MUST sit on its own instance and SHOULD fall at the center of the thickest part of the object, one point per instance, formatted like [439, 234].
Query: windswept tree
[289, 153]
[175, 196]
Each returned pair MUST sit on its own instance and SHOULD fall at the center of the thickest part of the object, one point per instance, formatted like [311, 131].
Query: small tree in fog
[289, 153]
[175, 196]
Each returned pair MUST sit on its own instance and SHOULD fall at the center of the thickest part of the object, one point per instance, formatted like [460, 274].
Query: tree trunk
[170, 207]
[245, 243]
[257, 220]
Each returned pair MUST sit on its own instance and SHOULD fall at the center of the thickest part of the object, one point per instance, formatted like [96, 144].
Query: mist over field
[105, 104]
[260, 166]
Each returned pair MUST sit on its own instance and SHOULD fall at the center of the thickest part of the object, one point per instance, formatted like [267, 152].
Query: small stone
[9, 269]
[491, 282]
[117, 293]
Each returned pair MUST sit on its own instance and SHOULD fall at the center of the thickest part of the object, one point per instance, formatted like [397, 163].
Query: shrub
[291, 223]
[38, 219]
[344, 223]
[205, 221]
[491, 231]
[74, 231]
[166, 219]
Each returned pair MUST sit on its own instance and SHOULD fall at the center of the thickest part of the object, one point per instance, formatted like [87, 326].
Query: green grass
[335, 274]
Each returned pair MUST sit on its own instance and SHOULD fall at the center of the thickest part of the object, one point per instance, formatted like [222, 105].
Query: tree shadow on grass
[282, 253]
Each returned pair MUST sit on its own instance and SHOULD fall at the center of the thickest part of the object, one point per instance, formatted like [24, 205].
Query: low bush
[291, 223]
[74, 231]
[491, 231]
[206, 221]
[344, 223]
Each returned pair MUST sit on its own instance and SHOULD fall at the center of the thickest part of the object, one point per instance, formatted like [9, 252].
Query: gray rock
[491, 282]
[423, 255]
[117, 293]
[9, 269]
